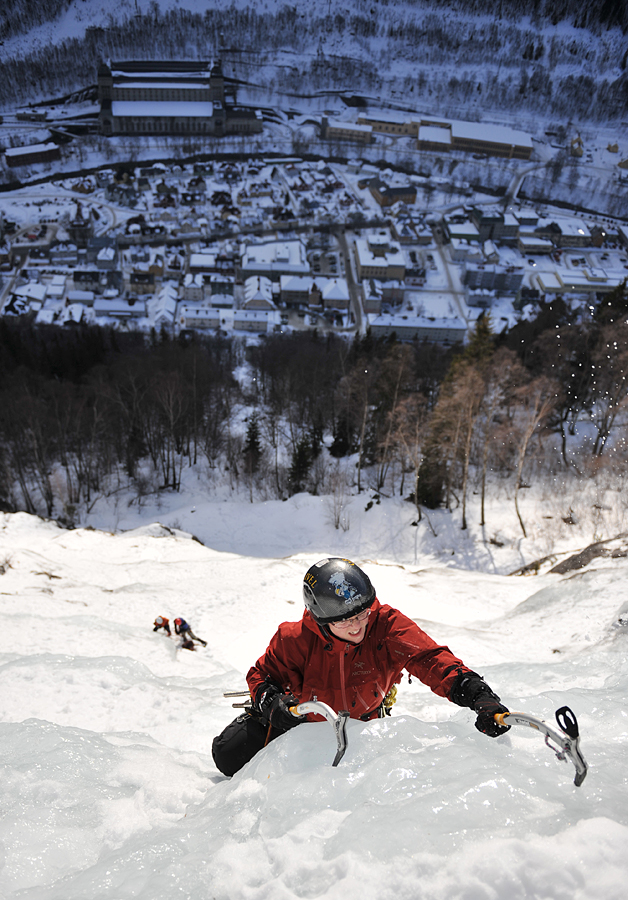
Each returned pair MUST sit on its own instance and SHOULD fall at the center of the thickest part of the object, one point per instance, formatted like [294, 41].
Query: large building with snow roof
[449, 134]
[178, 97]
[274, 259]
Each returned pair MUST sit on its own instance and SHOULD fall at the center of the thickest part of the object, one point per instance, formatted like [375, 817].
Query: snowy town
[266, 246]
[274, 243]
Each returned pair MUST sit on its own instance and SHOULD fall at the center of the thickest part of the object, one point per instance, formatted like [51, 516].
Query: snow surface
[109, 790]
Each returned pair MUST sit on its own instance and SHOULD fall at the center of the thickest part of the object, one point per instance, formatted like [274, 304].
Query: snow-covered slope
[109, 790]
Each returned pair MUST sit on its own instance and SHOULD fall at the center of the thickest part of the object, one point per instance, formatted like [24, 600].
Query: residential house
[255, 320]
[193, 288]
[193, 317]
[163, 308]
[377, 256]
[274, 259]
[504, 280]
[142, 283]
[387, 195]
[418, 328]
[119, 308]
[258, 293]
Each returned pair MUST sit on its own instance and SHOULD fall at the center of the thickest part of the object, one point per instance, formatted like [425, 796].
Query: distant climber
[182, 628]
[162, 622]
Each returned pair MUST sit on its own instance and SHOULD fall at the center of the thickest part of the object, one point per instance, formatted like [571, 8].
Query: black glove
[273, 705]
[471, 690]
[486, 707]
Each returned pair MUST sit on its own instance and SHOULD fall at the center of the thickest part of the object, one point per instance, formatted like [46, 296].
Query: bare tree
[609, 363]
[535, 402]
[502, 377]
[410, 419]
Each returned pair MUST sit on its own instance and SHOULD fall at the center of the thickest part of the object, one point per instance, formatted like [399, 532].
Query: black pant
[188, 635]
[240, 741]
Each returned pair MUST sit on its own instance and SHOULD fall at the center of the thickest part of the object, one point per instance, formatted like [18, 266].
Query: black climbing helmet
[336, 589]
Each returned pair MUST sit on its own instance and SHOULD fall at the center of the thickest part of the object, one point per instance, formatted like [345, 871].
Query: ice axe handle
[565, 745]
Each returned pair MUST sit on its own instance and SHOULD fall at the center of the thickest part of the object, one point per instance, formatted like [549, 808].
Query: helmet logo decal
[343, 588]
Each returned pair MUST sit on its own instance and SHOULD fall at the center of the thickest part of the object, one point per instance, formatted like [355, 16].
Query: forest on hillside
[444, 54]
[86, 412]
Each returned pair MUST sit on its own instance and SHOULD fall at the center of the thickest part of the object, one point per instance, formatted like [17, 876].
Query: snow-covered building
[439, 135]
[338, 130]
[255, 320]
[372, 299]
[532, 243]
[84, 298]
[102, 251]
[220, 289]
[504, 280]
[55, 289]
[435, 138]
[377, 256]
[388, 195]
[119, 308]
[202, 262]
[258, 293]
[317, 292]
[418, 328]
[388, 121]
[193, 288]
[174, 97]
[33, 290]
[578, 281]
[193, 317]
[494, 224]
[163, 308]
[32, 154]
[274, 259]
[461, 228]
[463, 250]
[494, 140]
[565, 231]
[64, 255]
[335, 294]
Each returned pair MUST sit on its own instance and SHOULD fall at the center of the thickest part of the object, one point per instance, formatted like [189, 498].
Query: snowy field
[109, 790]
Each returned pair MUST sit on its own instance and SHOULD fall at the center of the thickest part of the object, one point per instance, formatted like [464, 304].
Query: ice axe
[564, 745]
[337, 720]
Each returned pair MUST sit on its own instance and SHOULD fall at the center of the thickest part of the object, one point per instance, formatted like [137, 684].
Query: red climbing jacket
[354, 677]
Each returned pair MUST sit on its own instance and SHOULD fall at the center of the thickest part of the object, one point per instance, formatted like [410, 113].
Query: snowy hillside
[532, 60]
[109, 790]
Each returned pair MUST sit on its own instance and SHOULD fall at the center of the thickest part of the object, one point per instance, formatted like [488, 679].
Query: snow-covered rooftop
[483, 131]
[30, 148]
[160, 108]
[435, 135]
[275, 256]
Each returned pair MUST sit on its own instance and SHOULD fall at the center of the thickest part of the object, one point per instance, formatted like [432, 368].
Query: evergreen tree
[344, 438]
[252, 448]
[481, 344]
[300, 465]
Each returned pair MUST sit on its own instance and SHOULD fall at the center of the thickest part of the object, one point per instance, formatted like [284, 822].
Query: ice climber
[182, 628]
[162, 622]
[349, 651]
